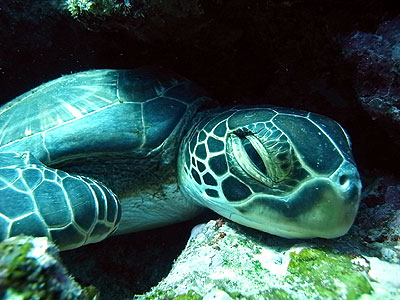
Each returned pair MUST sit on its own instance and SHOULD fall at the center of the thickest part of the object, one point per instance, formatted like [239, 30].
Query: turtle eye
[253, 155]
[249, 155]
[268, 164]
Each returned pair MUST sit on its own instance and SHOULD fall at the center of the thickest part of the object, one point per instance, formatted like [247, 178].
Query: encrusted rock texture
[225, 261]
[30, 269]
[376, 57]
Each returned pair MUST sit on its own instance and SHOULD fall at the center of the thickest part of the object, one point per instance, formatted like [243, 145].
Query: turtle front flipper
[36, 200]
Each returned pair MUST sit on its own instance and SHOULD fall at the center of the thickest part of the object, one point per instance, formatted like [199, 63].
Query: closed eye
[246, 150]
[253, 155]
[269, 165]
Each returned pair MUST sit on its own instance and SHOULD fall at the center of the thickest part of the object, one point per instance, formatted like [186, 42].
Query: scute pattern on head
[272, 169]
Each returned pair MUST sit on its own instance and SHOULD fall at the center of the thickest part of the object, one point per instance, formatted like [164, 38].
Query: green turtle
[107, 152]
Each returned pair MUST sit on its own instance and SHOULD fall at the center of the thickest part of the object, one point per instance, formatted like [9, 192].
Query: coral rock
[225, 261]
[29, 269]
[376, 57]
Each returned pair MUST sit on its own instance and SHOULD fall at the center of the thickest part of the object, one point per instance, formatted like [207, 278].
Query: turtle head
[282, 171]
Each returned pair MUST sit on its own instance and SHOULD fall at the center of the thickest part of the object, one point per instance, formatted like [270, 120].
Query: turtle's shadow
[122, 266]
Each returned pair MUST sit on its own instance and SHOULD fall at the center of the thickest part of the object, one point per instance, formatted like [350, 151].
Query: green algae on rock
[327, 275]
[126, 9]
[94, 7]
[29, 269]
[170, 295]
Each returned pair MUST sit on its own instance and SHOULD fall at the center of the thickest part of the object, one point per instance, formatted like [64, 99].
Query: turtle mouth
[320, 208]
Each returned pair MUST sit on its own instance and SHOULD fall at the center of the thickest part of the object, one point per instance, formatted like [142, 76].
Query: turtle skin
[107, 152]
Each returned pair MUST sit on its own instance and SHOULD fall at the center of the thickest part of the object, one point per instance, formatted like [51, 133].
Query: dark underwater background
[336, 58]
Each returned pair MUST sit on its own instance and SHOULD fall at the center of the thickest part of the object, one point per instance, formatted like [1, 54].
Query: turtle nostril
[344, 180]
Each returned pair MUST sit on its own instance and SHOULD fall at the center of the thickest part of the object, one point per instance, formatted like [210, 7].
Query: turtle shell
[100, 113]
[111, 138]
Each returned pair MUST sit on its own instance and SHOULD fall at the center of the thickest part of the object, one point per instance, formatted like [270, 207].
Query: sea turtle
[108, 151]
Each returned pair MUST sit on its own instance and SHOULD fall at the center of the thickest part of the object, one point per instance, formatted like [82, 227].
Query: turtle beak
[323, 207]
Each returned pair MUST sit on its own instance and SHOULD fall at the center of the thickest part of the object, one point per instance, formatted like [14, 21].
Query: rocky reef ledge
[30, 269]
[225, 261]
